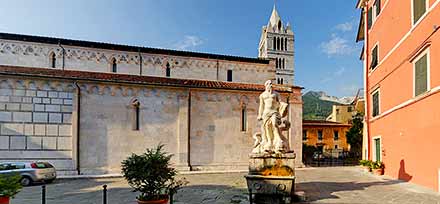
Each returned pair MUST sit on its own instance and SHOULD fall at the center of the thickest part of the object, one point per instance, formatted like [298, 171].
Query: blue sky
[327, 57]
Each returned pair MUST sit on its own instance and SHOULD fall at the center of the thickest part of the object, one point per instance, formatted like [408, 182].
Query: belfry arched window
[274, 43]
[279, 25]
[168, 70]
[282, 43]
[285, 44]
[278, 43]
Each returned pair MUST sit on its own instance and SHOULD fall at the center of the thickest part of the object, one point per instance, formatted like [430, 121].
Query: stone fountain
[271, 177]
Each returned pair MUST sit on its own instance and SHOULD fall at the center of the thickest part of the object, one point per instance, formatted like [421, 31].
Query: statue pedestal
[271, 178]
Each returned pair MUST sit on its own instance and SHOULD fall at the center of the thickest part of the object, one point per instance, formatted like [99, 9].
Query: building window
[136, 111]
[114, 65]
[349, 109]
[243, 119]
[274, 43]
[370, 18]
[419, 8]
[168, 70]
[377, 6]
[335, 135]
[282, 81]
[337, 111]
[304, 134]
[278, 43]
[282, 43]
[421, 70]
[285, 42]
[319, 134]
[374, 57]
[229, 75]
[336, 146]
[376, 103]
[53, 60]
[279, 25]
[284, 64]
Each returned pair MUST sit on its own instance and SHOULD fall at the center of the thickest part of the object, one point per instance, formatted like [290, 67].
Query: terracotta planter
[161, 201]
[366, 168]
[4, 200]
[378, 171]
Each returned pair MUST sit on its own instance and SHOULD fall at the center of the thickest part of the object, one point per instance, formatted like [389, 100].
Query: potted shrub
[9, 187]
[377, 167]
[151, 175]
[366, 165]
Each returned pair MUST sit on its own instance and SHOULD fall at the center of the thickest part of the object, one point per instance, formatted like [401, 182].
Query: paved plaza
[320, 185]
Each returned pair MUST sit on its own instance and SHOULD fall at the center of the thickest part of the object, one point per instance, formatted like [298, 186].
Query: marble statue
[271, 113]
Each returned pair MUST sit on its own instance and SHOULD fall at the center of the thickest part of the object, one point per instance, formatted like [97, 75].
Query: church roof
[16, 71]
[127, 48]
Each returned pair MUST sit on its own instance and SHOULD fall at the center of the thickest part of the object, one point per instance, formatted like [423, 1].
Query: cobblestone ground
[320, 185]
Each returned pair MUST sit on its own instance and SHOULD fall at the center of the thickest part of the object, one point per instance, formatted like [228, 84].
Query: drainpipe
[367, 90]
[189, 129]
[140, 62]
[217, 69]
[64, 53]
[78, 117]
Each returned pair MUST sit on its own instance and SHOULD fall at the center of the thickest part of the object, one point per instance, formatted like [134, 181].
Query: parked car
[31, 172]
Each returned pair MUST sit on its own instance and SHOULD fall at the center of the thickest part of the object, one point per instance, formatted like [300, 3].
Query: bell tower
[277, 43]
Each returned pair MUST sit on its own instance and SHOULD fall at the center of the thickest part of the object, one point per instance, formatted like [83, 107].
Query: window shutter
[419, 8]
[374, 58]
[421, 75]
[375, 104]
[370, 18]
[377, 3]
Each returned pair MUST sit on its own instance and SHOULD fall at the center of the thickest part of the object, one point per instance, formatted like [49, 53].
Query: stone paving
[320, 185]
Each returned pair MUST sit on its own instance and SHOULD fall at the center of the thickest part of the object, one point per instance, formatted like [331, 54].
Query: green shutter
[419, 8]
[374, 58]
[377, 3]
[421, 75]
[375, 104]
[370, 18]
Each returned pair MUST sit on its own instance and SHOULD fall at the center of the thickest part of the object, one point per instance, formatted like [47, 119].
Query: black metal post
[43, 194]
[171, 198]
[104, 194]
[250, 197]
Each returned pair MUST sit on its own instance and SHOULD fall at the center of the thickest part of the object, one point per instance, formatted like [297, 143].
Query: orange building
[402, 84]
[330, 136]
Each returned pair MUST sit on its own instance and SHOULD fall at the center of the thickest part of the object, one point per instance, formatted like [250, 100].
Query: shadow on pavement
[315, 191]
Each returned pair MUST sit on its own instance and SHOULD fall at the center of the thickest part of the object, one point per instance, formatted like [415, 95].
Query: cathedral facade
[86, 106]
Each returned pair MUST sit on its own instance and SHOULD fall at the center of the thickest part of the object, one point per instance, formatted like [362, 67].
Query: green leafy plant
[151, 175]
[9, 185]
[365, 163]
[376, 165]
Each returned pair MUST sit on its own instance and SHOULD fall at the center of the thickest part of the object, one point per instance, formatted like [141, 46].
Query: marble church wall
[202, 126]
[32, 54]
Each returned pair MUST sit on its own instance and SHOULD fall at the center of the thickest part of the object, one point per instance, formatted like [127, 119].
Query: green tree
[354, 135]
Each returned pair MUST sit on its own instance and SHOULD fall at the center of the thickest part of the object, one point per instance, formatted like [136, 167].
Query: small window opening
[53, 60]
[229, 77]
[243, 119]
[168, 70]
[114, 66]
[136, 114]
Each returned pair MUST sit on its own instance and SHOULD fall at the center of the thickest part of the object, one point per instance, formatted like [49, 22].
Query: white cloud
[349, 89]
[345, 27]
[340, 71]
[336, 46]
[333, 76]
[188, 42]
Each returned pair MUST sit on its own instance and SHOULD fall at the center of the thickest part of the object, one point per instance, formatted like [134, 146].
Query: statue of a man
[271, 112]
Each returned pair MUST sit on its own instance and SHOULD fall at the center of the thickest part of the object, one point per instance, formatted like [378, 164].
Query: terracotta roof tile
[134, 79]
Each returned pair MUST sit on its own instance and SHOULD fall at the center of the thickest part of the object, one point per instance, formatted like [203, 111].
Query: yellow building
[329, 137]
